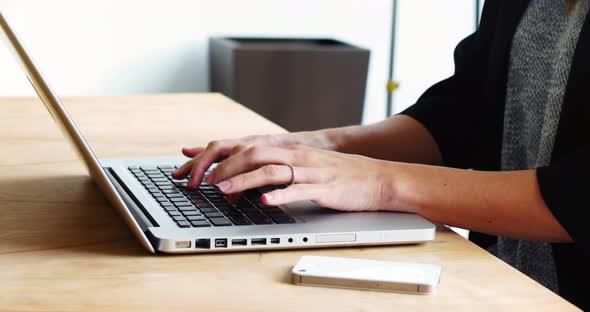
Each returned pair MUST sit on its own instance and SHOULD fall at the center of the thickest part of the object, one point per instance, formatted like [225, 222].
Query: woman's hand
[204, 157]
[330, 179]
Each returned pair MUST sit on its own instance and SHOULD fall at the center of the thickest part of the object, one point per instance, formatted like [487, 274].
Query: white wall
[116, 47]
[428, 31]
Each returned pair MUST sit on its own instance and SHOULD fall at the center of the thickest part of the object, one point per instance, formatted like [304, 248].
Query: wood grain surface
[63, 248]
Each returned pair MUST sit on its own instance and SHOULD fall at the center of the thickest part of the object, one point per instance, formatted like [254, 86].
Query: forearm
[400, 138]
[499, 203]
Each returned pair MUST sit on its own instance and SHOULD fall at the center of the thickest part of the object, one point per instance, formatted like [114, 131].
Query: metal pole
[391, 85]
[477, 17]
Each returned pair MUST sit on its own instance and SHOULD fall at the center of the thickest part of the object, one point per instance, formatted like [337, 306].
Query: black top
[465, 113]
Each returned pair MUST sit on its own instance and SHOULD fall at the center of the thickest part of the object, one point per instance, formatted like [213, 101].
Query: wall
[119, 47]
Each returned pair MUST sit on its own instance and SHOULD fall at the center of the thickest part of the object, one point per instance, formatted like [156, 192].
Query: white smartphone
[367, 274]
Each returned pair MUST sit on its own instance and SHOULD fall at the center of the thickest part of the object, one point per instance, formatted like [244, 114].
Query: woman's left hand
[330, 179]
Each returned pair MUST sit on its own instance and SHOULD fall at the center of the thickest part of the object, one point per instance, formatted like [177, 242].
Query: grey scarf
[540, 61]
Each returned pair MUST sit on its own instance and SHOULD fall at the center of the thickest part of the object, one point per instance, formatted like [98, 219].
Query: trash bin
[300, 84]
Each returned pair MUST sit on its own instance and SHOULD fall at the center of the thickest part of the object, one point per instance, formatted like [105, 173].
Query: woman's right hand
[218, 150]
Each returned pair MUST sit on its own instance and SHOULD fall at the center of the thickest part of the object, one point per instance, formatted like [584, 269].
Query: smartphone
[367, 274]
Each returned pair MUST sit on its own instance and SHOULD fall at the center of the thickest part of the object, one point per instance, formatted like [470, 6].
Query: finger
[204, 160]
[294, 193]
[249, 160]
[183, 170]
[268, 175]
[192, 151]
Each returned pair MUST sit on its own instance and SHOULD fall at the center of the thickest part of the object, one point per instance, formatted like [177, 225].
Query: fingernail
[268, 197]
[224, 185]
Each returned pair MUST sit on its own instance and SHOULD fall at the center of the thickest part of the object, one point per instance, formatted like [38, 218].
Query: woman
[515, 112]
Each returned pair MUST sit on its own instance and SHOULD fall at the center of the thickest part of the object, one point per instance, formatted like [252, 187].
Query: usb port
[239, 242]
[221, 243]
[203, 243]
[275, 240]
[183, 244]
[258, 241]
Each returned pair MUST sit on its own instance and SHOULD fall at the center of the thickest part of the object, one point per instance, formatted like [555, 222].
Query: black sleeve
[466, 120]
[466, 124]
[563, 186]
[463, 122]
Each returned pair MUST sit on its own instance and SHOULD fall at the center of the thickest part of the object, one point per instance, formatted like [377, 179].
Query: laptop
[166, 217]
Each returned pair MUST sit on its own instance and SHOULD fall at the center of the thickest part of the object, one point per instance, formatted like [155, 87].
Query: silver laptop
[166, 217]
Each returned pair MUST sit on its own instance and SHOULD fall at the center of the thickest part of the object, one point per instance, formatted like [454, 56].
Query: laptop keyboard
[207, 206]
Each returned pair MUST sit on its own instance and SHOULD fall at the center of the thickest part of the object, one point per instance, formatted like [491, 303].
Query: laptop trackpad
[307, 211]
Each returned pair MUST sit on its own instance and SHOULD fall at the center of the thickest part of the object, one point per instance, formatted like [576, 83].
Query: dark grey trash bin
[300, 84]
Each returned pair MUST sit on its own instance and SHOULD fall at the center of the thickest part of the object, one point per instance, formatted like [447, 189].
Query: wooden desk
[62, 247]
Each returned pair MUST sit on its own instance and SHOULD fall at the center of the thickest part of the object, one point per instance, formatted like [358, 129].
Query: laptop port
[258, 241]
[239, 242]
[221, 243]
[203, 243]
[275, 240]
[183, 244]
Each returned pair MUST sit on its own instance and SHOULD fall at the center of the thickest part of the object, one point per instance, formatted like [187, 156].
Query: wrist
[338, 139]
[399, 188]
[321, 139]
[333, 139]
[325, 139]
